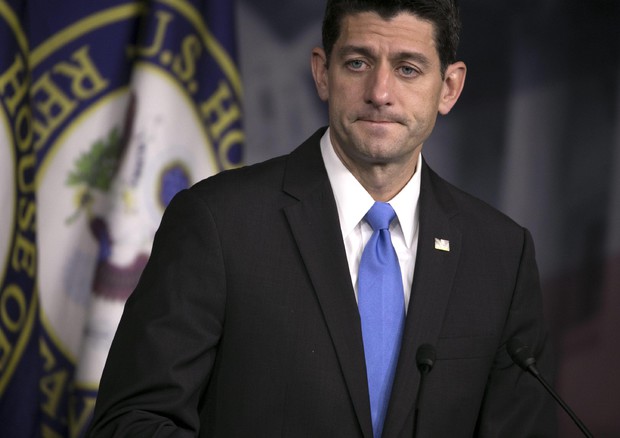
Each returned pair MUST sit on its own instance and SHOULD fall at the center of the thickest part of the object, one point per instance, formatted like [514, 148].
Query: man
[256, 315]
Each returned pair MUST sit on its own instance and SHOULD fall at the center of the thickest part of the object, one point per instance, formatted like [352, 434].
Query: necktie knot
[380, 215]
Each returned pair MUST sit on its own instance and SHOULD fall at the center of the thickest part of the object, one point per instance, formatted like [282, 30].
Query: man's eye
[408, 70]
[356, 64]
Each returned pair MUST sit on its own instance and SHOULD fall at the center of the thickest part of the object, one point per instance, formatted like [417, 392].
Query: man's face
[383, 87]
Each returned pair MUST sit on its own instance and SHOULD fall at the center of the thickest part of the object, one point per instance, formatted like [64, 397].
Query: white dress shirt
[353, 202]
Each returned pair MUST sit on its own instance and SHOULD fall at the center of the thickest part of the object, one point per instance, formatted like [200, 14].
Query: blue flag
[107, 110]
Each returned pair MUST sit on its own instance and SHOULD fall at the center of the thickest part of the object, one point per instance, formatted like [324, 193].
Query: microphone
[425, 359]
[521, 355]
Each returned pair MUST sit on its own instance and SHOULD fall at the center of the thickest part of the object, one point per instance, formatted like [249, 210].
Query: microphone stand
[534, 371]
[521, 355]
[425, 359]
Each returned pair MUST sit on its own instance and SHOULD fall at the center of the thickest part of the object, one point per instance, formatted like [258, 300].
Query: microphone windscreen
[425, 357]
[520, 353]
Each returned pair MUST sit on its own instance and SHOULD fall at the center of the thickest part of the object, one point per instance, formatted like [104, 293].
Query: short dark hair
[442, 14]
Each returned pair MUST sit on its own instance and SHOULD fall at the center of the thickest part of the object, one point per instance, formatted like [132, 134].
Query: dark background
[535, 134]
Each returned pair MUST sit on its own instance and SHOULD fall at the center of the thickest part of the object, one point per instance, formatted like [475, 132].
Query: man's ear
[319, 72]
[454, 80]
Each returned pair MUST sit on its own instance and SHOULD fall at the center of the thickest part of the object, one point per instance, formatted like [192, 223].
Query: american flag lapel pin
[442, 244]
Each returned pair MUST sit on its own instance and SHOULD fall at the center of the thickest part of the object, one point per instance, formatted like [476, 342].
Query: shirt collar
[353, 201]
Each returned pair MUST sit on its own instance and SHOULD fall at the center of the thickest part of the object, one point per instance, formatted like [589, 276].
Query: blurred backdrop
[110, 107]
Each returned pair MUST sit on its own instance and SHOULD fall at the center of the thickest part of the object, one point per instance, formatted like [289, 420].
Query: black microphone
[521, 355]
[425, 359]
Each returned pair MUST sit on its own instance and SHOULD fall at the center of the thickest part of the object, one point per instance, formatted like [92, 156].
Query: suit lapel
[315, 226]
[432, 284]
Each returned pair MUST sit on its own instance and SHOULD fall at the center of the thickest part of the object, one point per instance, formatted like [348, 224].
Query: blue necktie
[382, 310]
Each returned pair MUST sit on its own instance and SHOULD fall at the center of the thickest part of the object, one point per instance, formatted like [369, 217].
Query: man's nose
[379, 86]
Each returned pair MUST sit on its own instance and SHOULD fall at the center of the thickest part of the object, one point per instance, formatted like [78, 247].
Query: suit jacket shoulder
[455, 201]
[298, 172]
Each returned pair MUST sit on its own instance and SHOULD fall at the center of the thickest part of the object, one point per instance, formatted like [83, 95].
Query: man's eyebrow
[358, 50]
[416, 57]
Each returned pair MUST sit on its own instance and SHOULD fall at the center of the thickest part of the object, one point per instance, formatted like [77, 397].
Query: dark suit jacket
[245, 324]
